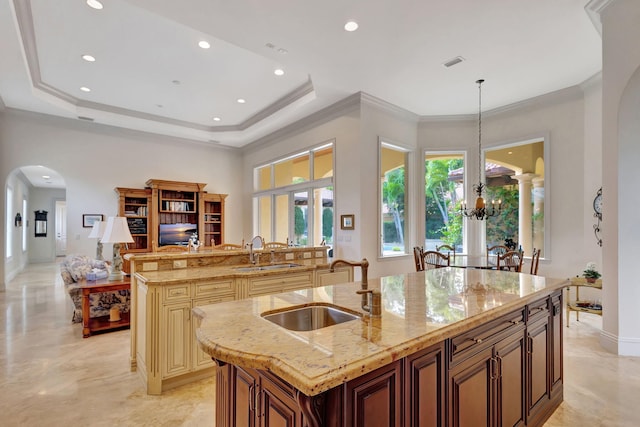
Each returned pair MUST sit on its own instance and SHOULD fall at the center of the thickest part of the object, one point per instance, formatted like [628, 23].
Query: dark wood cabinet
[424, 374]
[375, 399]
[507, 372]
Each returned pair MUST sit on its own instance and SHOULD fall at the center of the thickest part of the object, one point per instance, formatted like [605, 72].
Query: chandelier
[480, 211]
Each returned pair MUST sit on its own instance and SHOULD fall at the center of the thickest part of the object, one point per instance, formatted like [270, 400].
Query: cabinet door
[277, 407]
[424, 388]
[175, 339]
[201, 359]
[510, 357]
[243, 392]
[471, 391]
[539, 365]
[339, 275]
[375, 399]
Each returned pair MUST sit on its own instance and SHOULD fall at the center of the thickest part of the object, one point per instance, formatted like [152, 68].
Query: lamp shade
[98, 230]
[117, 231]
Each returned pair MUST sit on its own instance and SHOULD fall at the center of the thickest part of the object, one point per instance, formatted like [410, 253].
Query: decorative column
[525, 229]
[538, 213]
[317, 217]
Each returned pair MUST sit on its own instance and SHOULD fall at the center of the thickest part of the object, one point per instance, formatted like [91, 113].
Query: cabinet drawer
[179, 292]
[469, 343]
[280, 283]
[214, 288]
[537, 310]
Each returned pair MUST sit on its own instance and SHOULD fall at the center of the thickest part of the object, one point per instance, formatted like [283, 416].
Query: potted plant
[590, 273]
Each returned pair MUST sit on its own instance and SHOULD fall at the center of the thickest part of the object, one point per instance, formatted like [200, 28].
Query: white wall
[20, 189]
[620, 159]
[94, 159]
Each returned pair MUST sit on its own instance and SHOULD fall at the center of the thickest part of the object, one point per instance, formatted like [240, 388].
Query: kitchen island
[453, 347]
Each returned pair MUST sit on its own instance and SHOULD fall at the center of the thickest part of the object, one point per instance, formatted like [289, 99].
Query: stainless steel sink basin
[267, 267]
[309, 318]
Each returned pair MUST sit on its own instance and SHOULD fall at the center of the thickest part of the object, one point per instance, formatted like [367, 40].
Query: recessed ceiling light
[46, 176]
[351, 26]
[175, 82]
[204, 44]
[85, 89]
[159, 105]
[510, 152]
[94, 4]
[278, 72]
[88, 58]
[283, 51]
[241, 101]
[216, 119]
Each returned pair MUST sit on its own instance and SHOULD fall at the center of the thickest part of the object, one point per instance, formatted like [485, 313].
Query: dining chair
[228, 247]
[449, 248]
[535, 259]
[417, 258]
[275, 245]
[496, 250]
[434, 259]
[511, 261]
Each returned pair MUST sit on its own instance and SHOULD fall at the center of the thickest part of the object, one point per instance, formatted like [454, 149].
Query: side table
[101, 323]
[582, 306]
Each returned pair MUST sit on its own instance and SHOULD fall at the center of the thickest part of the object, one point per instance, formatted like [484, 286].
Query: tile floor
[51, 376]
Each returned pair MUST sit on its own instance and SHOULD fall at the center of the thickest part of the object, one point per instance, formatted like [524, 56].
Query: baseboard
[620, 346]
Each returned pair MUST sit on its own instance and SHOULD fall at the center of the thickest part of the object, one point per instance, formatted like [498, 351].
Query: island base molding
[508, 371]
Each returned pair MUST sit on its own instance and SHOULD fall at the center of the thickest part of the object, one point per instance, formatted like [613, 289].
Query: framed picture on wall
[347, 222]
[89, 219]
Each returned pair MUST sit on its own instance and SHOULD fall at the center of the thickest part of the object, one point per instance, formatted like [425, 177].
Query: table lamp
[116, 232]
[96, 233]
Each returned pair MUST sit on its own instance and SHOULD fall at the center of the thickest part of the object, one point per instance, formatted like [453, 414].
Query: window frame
[408, 204]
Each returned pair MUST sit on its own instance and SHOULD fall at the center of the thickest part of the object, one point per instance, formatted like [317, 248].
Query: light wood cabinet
[134, 205]
[342, 274]
[163, 203]
[273, 284]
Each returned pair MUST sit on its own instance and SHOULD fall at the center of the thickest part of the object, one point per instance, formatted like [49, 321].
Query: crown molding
[387, 107]
[594, 8]
[329, 113]
[93, 110]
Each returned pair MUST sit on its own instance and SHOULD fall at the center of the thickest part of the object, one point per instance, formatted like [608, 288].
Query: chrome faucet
[371, 300]
[253, 257]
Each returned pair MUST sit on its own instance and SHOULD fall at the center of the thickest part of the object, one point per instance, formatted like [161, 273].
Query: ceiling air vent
[89, 119]
[454, 61]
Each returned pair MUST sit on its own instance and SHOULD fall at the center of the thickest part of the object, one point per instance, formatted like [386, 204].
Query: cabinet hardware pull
[476, 340]
[257, 400]
[499, 363]
[514, 322]
[529, 344]
[252, 408]
[493, 368]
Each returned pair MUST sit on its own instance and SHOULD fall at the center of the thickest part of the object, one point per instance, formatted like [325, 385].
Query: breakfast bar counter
[463, 335]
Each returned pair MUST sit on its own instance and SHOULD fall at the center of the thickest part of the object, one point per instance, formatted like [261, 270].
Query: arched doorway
[33, 191]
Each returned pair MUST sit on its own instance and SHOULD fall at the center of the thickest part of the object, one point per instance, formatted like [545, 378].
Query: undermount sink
[310, 317]
[267, 267]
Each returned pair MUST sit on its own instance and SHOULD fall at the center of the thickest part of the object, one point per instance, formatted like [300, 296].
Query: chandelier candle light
[480, 210]
[116, 232]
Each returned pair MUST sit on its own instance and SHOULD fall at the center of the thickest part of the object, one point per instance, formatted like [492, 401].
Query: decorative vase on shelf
[591, 279]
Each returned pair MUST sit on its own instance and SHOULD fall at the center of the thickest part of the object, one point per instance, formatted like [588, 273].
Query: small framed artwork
[89, 219]
[347, 222]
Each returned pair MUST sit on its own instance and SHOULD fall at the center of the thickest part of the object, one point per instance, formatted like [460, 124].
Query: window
[24, 225]
[444, 190]
[293, 199]
[515, 175]
[9, 225]
[393, 199]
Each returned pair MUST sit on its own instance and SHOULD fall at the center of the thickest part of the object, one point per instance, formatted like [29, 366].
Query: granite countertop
[229, 271]
[419, 309]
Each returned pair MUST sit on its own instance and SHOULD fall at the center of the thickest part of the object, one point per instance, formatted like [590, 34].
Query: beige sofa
[75, 268]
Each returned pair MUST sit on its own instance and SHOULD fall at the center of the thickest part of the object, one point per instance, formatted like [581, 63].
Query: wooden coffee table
[101, 323]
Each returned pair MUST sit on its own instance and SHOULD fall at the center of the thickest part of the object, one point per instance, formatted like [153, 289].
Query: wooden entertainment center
[170, 202]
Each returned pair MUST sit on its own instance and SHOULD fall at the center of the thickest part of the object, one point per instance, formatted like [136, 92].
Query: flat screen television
[176, 234]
